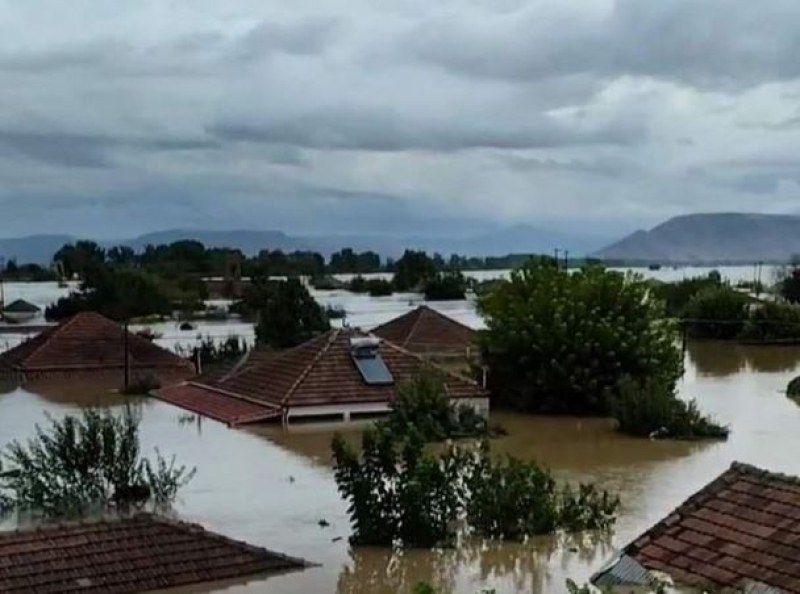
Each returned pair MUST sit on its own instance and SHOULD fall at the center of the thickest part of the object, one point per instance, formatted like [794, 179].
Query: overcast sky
[315, 116]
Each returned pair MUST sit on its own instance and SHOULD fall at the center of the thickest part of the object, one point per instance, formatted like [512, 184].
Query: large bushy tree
[118, 293]
[287, 313]
[564, 343]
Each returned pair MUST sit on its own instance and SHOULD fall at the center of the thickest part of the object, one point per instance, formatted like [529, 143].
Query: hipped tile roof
[744, 527]
[424, 330]
[318, 372]
[87, 341]
[136, 554]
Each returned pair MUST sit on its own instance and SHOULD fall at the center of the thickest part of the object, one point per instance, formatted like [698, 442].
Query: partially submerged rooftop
[87, 341]
[137, 554]
[425, 330]
[21, 306]
[342, 371]
[740, 533]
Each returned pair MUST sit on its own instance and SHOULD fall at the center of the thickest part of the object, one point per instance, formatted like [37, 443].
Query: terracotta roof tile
[136, 554]
[321, 371]
[87, 341]
[743, 526]
[211, 403]
[425, 330]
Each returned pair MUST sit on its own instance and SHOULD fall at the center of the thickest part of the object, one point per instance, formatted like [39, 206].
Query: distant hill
[35, 248]
[712, 238]
[506, 240]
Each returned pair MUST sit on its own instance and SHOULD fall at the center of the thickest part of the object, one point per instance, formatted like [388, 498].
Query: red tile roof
[211, 403]
[87, 341]
[425, 330]
[742, 527]
[136, 554]
[318, 372]
[321, 371]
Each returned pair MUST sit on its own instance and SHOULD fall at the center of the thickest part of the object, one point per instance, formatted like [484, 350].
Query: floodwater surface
[272, 487]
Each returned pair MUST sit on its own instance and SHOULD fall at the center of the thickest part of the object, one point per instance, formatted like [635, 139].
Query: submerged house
[141, 553]
[343, 374]
[19, 311]
[427, 332]
[90, 346]
[740, 533]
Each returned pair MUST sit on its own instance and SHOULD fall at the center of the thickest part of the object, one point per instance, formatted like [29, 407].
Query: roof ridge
[236, 367]
[53, 332]
[426, 362]
[420, 310]
[334, 333]
[758, 472]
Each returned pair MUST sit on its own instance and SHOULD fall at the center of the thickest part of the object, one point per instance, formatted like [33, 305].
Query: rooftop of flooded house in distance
[341, 367]
[137, 554]
[741, 531]
[425, 330]
[84, 342]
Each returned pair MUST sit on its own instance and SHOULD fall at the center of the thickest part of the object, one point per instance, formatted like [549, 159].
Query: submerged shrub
[772, 321]
[717, 312]
[400, 495]
[87, 463]
[422, 405]
[651, 409]
[142, 383]
[397, 493]
[511, 499]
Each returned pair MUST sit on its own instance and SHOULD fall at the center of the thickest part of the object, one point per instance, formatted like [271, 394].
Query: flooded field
[272, 487]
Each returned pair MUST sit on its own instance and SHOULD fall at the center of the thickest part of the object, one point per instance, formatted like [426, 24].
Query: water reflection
[721, 359]
[474, 564]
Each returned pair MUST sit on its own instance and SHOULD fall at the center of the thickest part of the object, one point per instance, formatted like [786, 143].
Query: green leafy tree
[446, 286]
[563, 343]
[399, 494]
[287, 313]
[422, 405]
[413, 270]
[790, 285]
[677, 295]
[80, 257]
[117, 293]
[652, 409]
[85, 464]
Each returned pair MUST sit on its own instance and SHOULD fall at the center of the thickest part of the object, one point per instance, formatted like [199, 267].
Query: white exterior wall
[481, 405]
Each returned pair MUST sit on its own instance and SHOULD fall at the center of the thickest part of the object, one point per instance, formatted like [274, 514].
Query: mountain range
[499, 242]
[711, 239]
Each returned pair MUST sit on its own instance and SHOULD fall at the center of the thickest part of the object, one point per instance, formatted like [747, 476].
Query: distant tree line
[192, 257]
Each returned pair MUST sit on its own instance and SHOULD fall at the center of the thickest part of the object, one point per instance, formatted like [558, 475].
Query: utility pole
[127, 358]
[566, 259]
[555, 251]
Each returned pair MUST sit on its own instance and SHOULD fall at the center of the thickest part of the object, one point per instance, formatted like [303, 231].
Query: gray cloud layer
[120, 118]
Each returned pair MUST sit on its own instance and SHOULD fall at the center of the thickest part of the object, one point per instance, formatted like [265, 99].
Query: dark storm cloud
[86, 150]
[376, 130]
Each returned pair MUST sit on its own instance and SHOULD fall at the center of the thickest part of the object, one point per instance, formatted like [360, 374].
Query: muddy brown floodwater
[272, 487]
